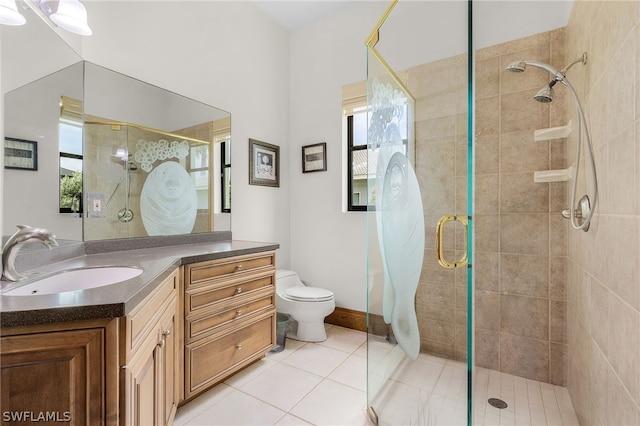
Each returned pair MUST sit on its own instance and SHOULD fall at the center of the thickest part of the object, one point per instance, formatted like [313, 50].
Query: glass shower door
[419, 279]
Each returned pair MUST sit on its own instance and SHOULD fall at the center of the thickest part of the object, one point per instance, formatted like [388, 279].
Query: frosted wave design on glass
[402, 224]
[149, 152]
[384, 155]
[387, 113]
[168, 201]
[387, 109]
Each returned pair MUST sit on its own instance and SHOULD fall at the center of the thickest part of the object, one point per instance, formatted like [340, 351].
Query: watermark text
[36, 416]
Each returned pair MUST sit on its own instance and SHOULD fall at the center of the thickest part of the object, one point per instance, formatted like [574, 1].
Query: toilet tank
[286, 279]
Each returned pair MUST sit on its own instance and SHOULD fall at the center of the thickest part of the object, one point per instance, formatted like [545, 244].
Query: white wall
[226, 54]
[327, 245]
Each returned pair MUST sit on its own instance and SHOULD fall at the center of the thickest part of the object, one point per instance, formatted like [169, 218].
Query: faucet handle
[12, 246]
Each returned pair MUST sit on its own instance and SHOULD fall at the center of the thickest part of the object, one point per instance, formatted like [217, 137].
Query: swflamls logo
[36, 416]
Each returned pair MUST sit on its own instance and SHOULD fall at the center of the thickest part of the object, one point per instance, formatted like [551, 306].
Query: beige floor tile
[282, 386]
[332, 403]
[352, 372]
[240, 409]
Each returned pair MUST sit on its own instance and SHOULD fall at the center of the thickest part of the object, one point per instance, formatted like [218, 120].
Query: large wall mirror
[94, 154]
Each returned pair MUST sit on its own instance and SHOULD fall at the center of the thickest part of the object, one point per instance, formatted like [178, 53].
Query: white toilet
[308, 306]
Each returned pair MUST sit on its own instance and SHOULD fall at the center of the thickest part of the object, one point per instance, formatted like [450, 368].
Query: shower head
[518, 66]
[545, 95]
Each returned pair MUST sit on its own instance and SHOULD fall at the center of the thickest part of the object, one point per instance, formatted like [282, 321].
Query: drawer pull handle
[161, 343]
[166, 333]
[238, 268]
[238, 312]
[238, 290]
[239, 346]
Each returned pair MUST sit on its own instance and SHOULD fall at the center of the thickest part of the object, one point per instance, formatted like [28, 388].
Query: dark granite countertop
[114, 300]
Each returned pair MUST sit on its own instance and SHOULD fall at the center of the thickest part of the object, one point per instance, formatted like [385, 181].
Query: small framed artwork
[264, 163]
[20, 154]
[314, 158]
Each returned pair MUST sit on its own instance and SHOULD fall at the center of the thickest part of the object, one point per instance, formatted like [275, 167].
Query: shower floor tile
[428, 391]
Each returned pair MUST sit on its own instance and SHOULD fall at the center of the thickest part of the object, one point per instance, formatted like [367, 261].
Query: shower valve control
[582, 211]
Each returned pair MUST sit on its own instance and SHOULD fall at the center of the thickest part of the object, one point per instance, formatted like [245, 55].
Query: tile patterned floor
[325, 384]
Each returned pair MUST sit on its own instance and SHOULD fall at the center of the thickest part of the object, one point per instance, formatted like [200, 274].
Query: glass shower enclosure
[419, 225]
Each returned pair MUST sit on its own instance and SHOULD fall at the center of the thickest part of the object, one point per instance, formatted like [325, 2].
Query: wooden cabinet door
[54, 377]
[142, 382]
[168, 371]
[150, 378]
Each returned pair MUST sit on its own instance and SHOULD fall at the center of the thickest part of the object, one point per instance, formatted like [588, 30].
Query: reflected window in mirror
[225, 158]
[199, 171]
[70, 149]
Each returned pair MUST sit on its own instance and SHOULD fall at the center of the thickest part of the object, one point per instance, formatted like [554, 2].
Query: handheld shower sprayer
[545, 94]
[581, 215]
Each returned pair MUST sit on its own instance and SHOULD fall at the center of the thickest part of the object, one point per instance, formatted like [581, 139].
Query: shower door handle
[440, 246]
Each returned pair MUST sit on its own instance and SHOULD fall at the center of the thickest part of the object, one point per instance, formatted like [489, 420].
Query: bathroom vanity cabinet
[230, 317]
[170, 335]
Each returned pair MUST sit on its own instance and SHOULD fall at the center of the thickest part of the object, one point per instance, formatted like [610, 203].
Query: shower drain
[498, 403]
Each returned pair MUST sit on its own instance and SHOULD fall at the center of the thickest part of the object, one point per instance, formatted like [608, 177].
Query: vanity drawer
[209, 323]
[228, 268]
[212, 359]
[222, 294]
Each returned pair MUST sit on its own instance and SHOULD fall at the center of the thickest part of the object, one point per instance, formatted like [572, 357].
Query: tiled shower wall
[520, 257]
[604, 263]
[441, 168]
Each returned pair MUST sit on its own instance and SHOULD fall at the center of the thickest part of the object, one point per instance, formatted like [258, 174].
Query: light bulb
[72, 16]
[9, 14]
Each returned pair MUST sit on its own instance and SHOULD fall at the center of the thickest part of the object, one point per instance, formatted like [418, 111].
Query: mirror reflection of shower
[125, 214]
[580, 212]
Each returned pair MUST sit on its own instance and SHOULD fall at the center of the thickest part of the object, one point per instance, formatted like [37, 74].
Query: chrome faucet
[11, 248]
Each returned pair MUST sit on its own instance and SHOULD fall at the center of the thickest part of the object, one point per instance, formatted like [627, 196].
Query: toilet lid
[308, 294]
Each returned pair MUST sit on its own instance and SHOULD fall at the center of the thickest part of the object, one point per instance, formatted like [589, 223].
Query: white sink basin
[76, 279]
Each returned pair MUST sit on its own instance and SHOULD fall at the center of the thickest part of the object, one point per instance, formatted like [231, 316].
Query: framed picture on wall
[20, 154]
[264, 163]
[314, 158]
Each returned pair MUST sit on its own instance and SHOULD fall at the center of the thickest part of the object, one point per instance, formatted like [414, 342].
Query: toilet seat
[308, 294]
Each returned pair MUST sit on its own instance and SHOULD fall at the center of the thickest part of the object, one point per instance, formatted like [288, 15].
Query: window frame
[350, 149]
[224, 166]
[69, 119]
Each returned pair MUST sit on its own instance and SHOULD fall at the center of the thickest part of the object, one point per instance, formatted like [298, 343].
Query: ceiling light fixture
[9, 14]
[70, 15]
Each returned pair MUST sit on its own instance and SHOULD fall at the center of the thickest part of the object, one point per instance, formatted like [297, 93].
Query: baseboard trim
[348, 318]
